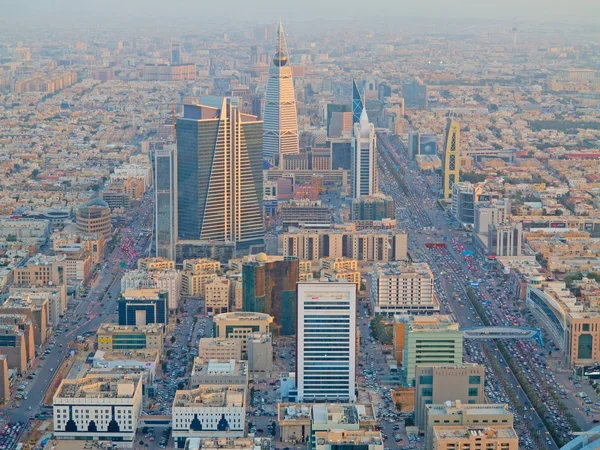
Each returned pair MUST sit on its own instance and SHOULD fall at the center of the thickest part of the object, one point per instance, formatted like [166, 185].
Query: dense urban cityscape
[284, 235]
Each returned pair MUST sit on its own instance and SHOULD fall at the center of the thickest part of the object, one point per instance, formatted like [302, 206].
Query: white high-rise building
[280, 120]
[364, 158]
[326, 357]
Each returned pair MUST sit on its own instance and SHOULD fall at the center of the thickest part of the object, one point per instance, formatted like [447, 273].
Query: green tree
[398, 406]
[173, 339]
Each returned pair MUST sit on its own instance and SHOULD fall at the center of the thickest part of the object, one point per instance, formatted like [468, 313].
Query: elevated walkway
[502, 332]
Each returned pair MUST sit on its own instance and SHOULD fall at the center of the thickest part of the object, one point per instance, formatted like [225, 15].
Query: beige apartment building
[27, 326]
[41, 270]
[404, 288]
[435, 384]
[475, 438]
[364, 246]
[340, 269]
[216, 295]
[457, 414]
[156, 263]
[201, 265]
[35, 309]
[221, 349]
[241, 325]
[194, 284]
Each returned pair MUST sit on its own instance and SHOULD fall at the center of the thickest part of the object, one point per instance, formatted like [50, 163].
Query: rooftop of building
[427, 323]
[43, 260]
[342, 413]
[220, 342]
[116, 386]
[356, 437]
[96, 202]
[294, 411]
[398, 268]
[142, 294]
[241, 443]
[260, 338]
[243, 316]
[218, 368]
[153, 328]
[211, 397]
[54, 444]
[25, 301]
[459, 408]
[147, 355]
[467, 432]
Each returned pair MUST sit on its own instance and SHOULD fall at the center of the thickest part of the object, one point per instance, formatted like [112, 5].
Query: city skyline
[404, 254]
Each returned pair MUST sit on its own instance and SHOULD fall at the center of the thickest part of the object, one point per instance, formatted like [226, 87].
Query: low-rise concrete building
[260, 352]
[220, 349]
[218, 373]
[472, 437]
[242, 324]
[99, 406]
[124, 337]
[348, 440]
[455, 414]
[209, 411]
[147, 360]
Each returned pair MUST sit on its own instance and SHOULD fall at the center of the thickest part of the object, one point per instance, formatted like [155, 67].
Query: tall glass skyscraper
[219, 175]
[280, 127]
[165, 201]
[357, 103]
[364, 158]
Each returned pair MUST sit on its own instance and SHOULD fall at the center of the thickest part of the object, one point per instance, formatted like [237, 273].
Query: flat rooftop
[294, 411]
[357, 437]
[341, 413]
[465, 432]
[142, 294]
[99, 387]
[211, 397]
[153, 328]
[133, 355]
[453, 408]
[216, 368]
[220, 342]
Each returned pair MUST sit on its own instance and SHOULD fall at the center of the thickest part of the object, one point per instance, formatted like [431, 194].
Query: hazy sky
[26, 13]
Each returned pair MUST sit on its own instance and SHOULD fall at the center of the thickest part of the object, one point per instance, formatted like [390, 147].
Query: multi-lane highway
[426, 222]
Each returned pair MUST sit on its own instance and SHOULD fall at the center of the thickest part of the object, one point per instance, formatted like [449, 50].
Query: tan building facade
[221, 349]
[456, 414]
[216, 295]
[436, 384]
[240, 325]
[157, 263]
[469, 438]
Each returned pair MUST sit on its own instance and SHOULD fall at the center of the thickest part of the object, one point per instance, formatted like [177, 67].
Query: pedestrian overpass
[502, 332]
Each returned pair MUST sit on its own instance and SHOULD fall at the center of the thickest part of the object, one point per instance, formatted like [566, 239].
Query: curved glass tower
[280, 120]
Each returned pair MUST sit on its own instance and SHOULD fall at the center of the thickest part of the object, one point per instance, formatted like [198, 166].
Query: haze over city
[315, 225]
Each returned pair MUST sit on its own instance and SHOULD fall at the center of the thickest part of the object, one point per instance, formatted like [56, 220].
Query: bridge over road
[503, 333]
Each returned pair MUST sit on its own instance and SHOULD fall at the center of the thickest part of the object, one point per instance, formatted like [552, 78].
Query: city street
[100, 306]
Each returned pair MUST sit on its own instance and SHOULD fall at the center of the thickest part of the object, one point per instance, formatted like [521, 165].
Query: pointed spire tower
[364, 157]
[280, 121]
[357, 103]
